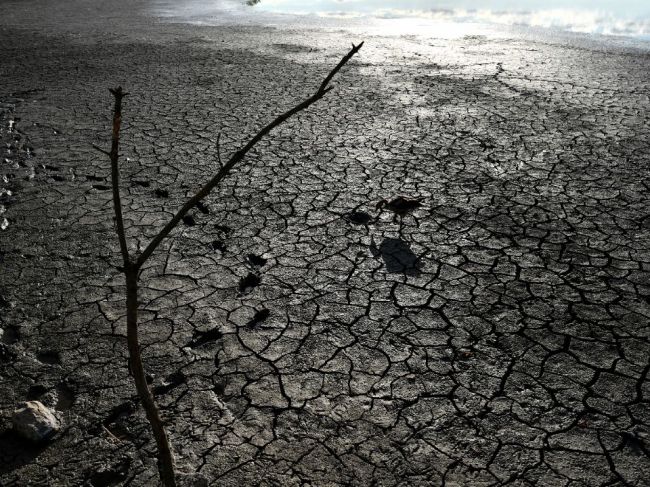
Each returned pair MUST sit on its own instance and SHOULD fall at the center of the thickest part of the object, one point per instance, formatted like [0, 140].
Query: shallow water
[628, 18]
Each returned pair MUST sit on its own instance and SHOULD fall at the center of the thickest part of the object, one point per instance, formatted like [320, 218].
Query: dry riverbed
[502, 337]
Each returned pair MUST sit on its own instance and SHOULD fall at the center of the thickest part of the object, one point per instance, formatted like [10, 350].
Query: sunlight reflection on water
[429, 18]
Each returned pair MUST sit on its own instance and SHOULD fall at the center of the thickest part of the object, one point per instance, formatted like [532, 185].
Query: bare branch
[97, 148]
[338, 67]
[219, 149]
[239, 155]
[115, 172]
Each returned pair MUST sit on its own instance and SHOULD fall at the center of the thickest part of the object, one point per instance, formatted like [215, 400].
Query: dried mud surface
[500, 337]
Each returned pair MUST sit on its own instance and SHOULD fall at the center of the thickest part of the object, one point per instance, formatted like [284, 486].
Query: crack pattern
[296, 337]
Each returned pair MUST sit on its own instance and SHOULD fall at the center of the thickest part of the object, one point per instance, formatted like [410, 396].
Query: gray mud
[502, 337]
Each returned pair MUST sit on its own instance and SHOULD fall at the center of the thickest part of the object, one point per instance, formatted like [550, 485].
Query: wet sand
[500, 338]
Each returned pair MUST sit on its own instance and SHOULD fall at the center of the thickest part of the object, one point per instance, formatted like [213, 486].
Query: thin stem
[239, 155]
[131, 269]
[165, 455]
[219, 150]
[118, 94]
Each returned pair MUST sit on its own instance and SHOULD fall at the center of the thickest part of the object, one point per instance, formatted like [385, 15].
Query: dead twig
[219, 149]
[132, 266]
[239, 155]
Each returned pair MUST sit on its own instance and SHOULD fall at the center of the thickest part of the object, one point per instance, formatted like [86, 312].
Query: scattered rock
[35, 422]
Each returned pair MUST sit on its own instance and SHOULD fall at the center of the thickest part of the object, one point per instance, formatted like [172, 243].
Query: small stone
[35, 422]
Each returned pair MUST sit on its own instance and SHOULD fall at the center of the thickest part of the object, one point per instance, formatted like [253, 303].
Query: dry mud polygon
[501, 338]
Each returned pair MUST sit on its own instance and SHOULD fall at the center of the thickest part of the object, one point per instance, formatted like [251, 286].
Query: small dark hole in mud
[202, 207]
[91, 177]
[219, 245]
[6, 354]
[58, 177]
[398, 257]
[161, 193]
[358, 217]
[11, 335]
[633, 441]
[256, 260]
[203, 337]
[101, 187]
[65, 397]
[258, 318]
[23, 452]
[171, 382]
[246, 284]
[35, 392]
[189, 220]
[51, 168]
[223, 228]
[109, 476]
[219, 388]
[49, 357]
[125, 408]
[141, 183]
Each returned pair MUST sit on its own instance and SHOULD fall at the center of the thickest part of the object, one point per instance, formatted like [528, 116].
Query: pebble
[35, 422]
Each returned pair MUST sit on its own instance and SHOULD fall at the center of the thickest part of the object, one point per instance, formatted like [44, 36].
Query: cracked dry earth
[501, 338]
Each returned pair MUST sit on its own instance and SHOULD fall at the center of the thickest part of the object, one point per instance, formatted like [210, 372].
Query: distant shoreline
[563, 25]
[201, 14]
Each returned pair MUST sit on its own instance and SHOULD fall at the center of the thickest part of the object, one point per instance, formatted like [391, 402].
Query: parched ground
[502, 337]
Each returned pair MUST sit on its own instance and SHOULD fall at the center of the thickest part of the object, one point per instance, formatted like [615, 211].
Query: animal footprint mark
[248, 283]
[258, 318]
[256, 260]
[203, 337]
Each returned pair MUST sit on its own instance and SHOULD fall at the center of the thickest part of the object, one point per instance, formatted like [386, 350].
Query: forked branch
[131, 266]
[118, 94]
[239, 155]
